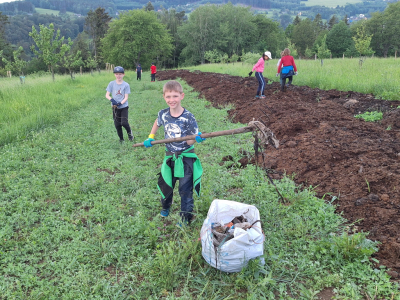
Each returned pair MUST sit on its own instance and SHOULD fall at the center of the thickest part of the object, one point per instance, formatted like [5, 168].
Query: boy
[153, 71]
[180, 162]
[119, 102]
[138, 72]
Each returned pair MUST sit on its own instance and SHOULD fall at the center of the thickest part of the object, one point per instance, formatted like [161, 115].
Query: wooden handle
[203, 135]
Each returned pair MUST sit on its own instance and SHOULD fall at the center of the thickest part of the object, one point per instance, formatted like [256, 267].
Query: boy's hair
[172, 86]
[286, 52]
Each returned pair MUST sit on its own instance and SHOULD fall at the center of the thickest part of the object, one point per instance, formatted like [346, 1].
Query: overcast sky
[4, 1]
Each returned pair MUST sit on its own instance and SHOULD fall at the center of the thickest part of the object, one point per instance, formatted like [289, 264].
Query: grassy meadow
[45, 11]
[80, 212]
[378, 76]
[330, 3]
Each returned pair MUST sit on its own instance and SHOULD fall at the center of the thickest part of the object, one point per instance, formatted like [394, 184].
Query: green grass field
[79, 211]
[330, 3]
[44, 11]
[378, 76]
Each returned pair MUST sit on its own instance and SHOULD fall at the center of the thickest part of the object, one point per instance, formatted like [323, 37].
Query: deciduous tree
[270, 36]
[200, 34]
[17, 64]
[236, 29]
[4, 45]
[91, 64]
[173, 20]
[339, 39]
[72, 61]
[362, 43]
[323, 51]
[136, 37]
[303, 35]
[228, 29]
[385, 28]
[49, 47]
[81, 43]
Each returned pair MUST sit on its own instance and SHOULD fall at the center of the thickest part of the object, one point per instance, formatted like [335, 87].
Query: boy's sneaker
[121, 141]
[262, 97]
[164, 213]
[130, 136]
[257, 96]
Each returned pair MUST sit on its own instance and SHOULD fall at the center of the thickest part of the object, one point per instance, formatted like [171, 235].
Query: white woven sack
[234, 254]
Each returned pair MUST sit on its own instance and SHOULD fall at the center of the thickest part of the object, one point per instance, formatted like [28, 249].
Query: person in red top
[153, 71]
[288, 68]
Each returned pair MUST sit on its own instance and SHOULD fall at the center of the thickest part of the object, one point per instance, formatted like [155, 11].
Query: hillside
[291, 7]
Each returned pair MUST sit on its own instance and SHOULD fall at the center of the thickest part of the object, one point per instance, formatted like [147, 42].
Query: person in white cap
[259, 68]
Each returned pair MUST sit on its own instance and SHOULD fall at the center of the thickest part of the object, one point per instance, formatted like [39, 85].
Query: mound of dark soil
[324, 146]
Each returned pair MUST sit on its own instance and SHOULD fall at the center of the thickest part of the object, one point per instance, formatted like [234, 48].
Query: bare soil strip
[324, 146]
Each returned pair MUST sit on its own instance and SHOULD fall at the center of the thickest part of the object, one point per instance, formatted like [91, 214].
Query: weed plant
[80, 213]
[370, 116]
[376, 76]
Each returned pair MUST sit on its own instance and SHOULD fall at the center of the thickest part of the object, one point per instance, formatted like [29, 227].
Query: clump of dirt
[324, 146]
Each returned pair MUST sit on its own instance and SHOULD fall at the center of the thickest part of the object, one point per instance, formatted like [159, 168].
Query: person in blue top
[117, 92]
[180, 162]
[139, 72]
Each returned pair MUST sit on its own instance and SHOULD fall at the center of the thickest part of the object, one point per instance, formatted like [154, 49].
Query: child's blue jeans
[261, 83]
[185, 191]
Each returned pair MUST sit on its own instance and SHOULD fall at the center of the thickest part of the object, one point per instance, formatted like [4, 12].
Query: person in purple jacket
[259, 68]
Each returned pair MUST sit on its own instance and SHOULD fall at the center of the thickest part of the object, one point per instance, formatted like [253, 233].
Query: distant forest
[112, 7]
[205, 33]
[22, 14]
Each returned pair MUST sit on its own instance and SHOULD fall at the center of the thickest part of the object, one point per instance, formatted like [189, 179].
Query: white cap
[267, 53]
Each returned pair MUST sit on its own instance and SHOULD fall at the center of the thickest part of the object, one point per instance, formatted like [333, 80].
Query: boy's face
[119, 76]
[173, 99]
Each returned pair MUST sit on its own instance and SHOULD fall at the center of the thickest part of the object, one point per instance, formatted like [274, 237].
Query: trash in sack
[231, 235]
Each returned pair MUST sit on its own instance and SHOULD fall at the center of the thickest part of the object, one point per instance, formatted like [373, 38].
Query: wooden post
[315, 56]
[343, 55]
[9, 74]
[80, 69]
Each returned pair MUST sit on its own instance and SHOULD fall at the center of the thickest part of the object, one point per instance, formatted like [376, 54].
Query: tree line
[112, 6]
[211, 33]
